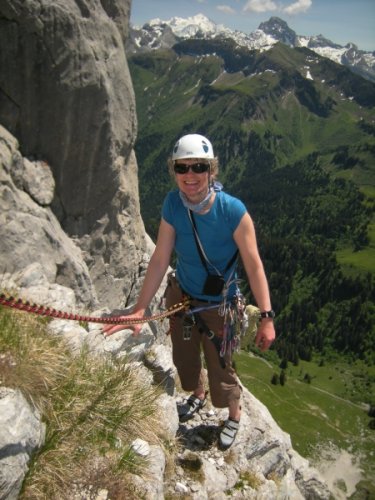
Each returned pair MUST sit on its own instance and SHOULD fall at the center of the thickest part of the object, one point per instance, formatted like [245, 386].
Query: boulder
[21, 434]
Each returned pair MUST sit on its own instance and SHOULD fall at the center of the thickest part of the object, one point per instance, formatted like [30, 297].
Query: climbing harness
[233, 311]
[53, 313]
[235, 323]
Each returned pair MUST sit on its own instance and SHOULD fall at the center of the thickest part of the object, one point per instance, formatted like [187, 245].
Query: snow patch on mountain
[333, 54]
[186, 28]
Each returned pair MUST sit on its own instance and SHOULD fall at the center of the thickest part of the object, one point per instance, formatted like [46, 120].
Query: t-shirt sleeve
[237, 211]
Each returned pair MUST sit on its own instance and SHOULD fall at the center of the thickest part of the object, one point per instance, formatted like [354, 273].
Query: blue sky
[341, 21]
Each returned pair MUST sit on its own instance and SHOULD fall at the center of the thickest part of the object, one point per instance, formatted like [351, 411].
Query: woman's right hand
[111, 329]
[155, 272]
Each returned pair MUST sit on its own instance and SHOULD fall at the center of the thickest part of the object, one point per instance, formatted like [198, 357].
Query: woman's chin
[194, 195]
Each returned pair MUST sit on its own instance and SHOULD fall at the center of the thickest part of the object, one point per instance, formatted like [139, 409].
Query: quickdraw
[53, 313]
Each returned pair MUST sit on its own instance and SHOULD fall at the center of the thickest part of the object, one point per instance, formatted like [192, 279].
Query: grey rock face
[21, 433]
[261, 464]
[66, 95]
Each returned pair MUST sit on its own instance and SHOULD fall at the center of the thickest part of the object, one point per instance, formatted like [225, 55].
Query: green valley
[320, 406]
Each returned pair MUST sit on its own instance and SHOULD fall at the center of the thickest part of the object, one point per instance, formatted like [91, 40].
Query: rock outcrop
[29, 230]
[71, 235]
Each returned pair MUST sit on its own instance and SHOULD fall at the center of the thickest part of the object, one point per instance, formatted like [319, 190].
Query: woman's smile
[195, 189]
[193, 185]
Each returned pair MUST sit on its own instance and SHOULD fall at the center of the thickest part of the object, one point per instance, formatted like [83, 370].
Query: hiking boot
[187, 410]
[228, 434]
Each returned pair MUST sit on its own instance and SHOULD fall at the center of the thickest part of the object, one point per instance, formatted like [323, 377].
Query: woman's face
[193, 185]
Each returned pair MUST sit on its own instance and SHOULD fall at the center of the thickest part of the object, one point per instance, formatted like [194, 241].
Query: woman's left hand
[265, 334]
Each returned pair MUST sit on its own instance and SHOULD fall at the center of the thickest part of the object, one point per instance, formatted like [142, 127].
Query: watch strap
[268, 314]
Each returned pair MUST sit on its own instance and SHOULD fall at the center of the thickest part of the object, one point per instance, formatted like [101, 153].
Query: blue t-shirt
[215, 230]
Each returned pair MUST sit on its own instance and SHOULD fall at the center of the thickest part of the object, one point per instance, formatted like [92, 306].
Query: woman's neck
[209, 205]
[197, 204]
[205, 202]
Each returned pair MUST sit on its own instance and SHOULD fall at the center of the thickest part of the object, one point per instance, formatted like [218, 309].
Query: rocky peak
[279, 30]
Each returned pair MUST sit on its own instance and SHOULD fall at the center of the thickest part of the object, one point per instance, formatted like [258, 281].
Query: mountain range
[158, 34]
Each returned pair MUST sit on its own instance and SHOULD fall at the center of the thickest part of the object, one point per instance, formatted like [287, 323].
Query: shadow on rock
[199, 438]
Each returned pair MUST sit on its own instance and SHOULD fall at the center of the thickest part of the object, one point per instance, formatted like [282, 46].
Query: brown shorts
[223, 382]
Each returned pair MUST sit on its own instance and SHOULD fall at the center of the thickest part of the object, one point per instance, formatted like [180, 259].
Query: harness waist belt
[200, 300]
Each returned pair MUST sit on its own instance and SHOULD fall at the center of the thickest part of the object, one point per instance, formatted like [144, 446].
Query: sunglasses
[197, 168]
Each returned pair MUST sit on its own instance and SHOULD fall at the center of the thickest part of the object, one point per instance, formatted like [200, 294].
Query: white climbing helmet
[193, 146]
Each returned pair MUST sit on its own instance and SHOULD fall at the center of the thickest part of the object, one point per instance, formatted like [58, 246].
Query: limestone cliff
[66, 95]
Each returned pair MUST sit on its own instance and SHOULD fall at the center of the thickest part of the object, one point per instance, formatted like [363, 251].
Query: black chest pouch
[213, 285]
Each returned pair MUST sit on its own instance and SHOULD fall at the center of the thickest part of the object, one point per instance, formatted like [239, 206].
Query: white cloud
[298, 6]
[226, 9]
[260, 6]
[269, 5]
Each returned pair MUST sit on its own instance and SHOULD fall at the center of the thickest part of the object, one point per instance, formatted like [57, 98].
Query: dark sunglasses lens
[197, 168]
[181, 168]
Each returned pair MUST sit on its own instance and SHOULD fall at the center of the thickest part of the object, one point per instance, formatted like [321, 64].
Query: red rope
[54, 313]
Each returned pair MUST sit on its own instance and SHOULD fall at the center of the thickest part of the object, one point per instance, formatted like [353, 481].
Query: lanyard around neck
[201, 251]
